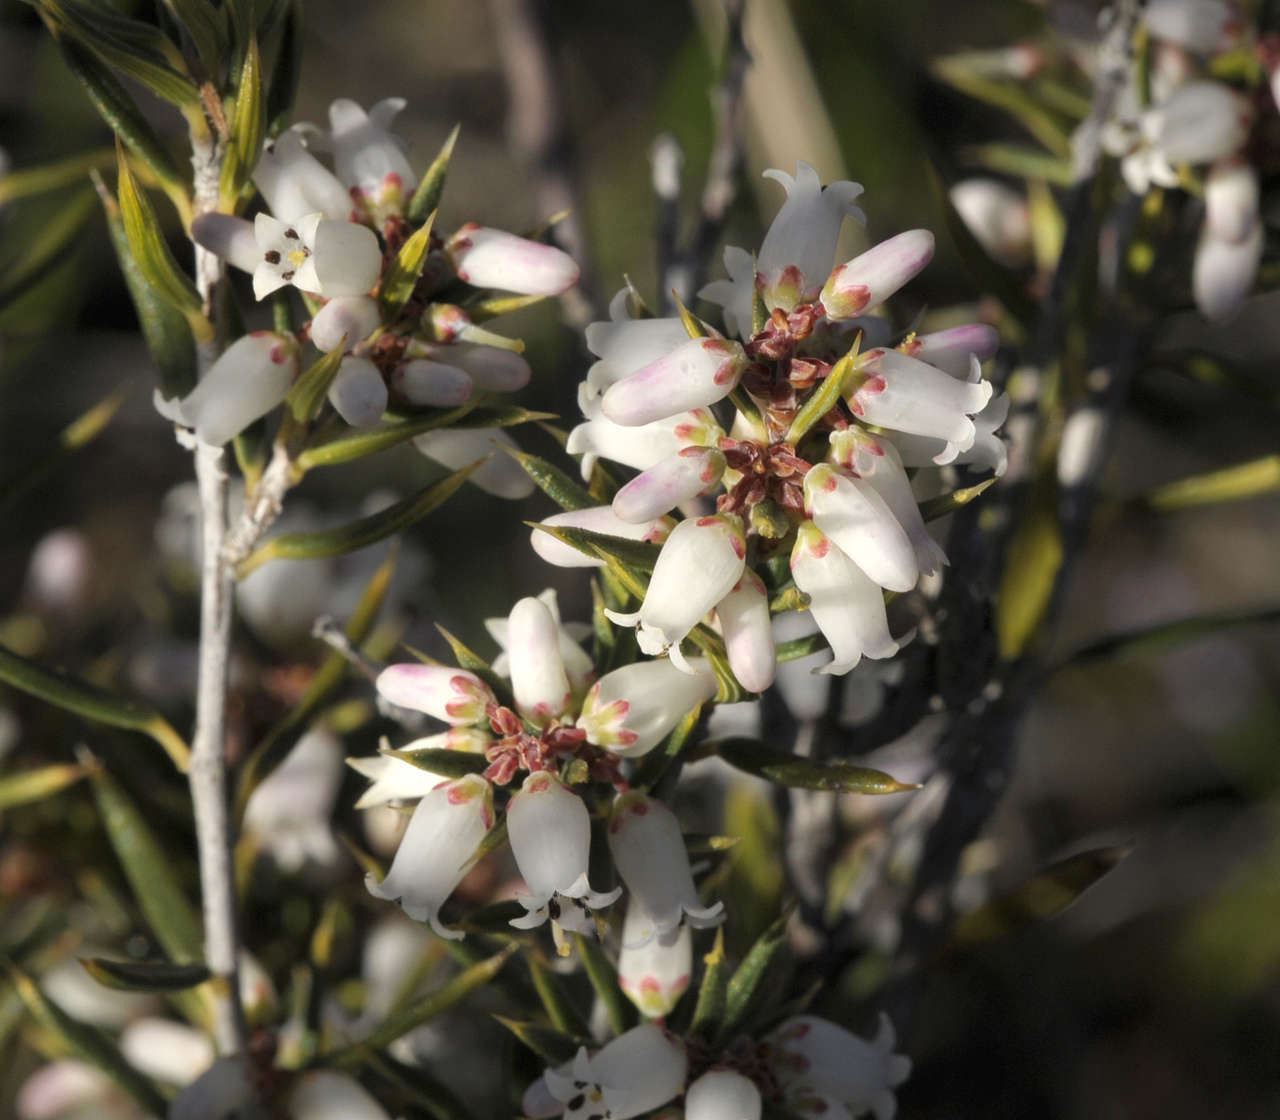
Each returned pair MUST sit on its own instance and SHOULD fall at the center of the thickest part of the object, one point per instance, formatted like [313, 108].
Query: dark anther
[271, 257]
[291, 233]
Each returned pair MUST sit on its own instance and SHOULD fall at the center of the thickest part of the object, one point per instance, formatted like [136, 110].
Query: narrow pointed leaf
[827, 396]
[91, 703]
[333, 934]
[421, 1089]
[27, 786]
[619, 552]
[203, 26]
[558, 485]
[426, 199]
[492, 919]
[468, 659]
[1026, 587]
[287, 71]
[560, 1011]
[604, 979]
[145, 976]
[708, 1013]
[452, 764]
[788, 769]
[248, 123]
[1025, 162]
[750, 979]
[1011, 98]
[694, 327]
[1231, 484]
[1155, 639]
[307, 397]
[654, 764]
[489, 305]
[800, 647]
[944, 504]
[552, 1046]
[26, 182]
[402, 277]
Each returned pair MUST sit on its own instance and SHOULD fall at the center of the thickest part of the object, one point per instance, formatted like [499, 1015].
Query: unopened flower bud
[865, 282]
[358, 392]
[697, 373]
[251, 377]
[367, 157]
[453, 695]
[430, 384]
[493, 258]
[654, 976]
[538, 676]
[687, 474]
[354, 318]
[490, 369]
[722, 1094]
[950, 350]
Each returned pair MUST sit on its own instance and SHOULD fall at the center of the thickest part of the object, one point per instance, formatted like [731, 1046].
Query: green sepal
[798, 772]
[827, 396]
[403, 274]
[145, 976]
[426, 199]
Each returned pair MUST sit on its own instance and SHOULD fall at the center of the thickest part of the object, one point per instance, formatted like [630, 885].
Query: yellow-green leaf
[46, 246]
[708, 1012]
[793, 770]
[145, 976]
[944, 504]
[426, 199]
[307, 396]
[748, 984]
[604, 979]
[248, 124]
[1230, 484]
[552, 1046]
[402, 276]
[35, 785]
[827, 396]
[1031, 569]
[452, 764]
[558, 485]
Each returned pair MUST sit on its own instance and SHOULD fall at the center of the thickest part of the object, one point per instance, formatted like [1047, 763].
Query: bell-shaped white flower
[395, 778]
[654, 976]
[989, 451]
[737, 294]
[997, 216]
[315, 254]
[595, 519]
[811, 1054]
[550, 832]
[630, 710]
[625, 345]
[847, 604]
[493, 258]
[354, 318]
[577, 663]
[908, 395]
[290, 811]
[1200, 122]
[689, 473]
[325, 1094]
[1200, 26]
[431, 384]
[866, 281]
[367, 158]
[950, 350]
[640, 446]
[358, 393]
[456, 448]
[252, 376]
[490, 368]
[800, 247]
[453, 695]
[697, 373]
[649, 853]
[748, 633]
[538, 676]
[851, 512]
[443, 834]
[637, 1072]
[1231, 194]
[294, 183]
[698, 566]
[168, 1051]
[722, 1094]
[1223, 272]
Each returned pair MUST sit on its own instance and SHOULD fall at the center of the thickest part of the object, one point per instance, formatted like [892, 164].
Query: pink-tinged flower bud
[395, 778]
[636, 1073]
[294, 183]
[695, 374]
[367, 157]
[865, 282]
[597, 519]
[358, 393]
[626, 345]
[453, 695]
[631, 710]
[687, 474]
[456, 448]
[493, 258]
[997, 216]
[253, 376]
[1231, 200]
[166, 1050]
[228, 237]
[443, 834]
[654, 976]
[1200, 26]
[577, 663]
[430, 384]
[748, 633]
[910, 396]
[354, 318]
[812, 1055]
[877, 462]
[315, 254]
[550, 831]
[950, 350]
[323, 1094]
[490, 368]
[697, 567]
[1223, 272]
[649, 853]
[858, 520]
[538, 677]
[722, 1094]
[1200, 122]
[847, 605]
[639, 446]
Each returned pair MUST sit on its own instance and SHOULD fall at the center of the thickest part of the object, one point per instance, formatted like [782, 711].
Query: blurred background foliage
[1157, 993]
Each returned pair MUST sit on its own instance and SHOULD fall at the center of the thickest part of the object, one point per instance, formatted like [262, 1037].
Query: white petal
[346, 260]
[251, 377]
[456, 448]
[868, 280]
[230, 238]
[550, 832]
[295, 183]
[688, 473]
[748, 633]
[431, 384]
[852, 513]
[722, 1094]
[597, 519]
[356, 317]
[365, 155]
[358, 393]
[910, 396]
[630, 710]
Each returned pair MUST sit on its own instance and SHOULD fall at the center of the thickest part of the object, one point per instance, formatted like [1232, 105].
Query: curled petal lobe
[699, 372]
[396, 779]
[637, 1072]
[453, 695]
[630, 710]
[493, 258]
[294, 183]
[736, 295]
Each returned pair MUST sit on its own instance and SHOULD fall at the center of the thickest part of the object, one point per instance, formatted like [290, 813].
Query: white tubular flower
[989, 451]
[722, 1094]
[910, 396]
[169, 1051]
[253, 375]
[748, 633]
[453, 695]
[626, 345]
[1200, 26]
[868, 280]
[493, 258]
[431, 384]
[367, 158]
[697, 373]
[291, 810]
[443, 834]
[800, 247]
[950, 350]
[354, 318]
[596, 519]
[228, 237]
[394, 778]
[294, 183]
[640, 446]
[358, 393]
[1200, 122]
[550, 832]
[538, 676]
[812, 1054]
[1231, 200]
[689, 473]
[997, 216]
[847, 605]
[654, 976]
[323, 1094]
[68, 1088]
[315, 254]
[637, 1072]
[490, 368]
[859, 521]
[576, 661]
[649, 853]
[698, 566]
[1223, 272]
[456, 448]
[878, 462]
[736, 295]
[631, 710]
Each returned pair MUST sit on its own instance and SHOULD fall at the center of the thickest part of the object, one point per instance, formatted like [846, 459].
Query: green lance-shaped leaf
[91, 703]
[800, 647]
[604, 979]
[402, 277]
[792, 770]
[553, 1046]
[555, 1001]
[45, 247]
[426, 199]
[693, 326]
[944, 504]
[204, 27]
[558, 485]
[359, 534]
[424, 1010]
[827, 396]
[749, 983]
[488, 305]
[468, 659]
[28, 182]
[287, 72]
[306, 398]
[1231, 484]
[708, 1012]
[248, 124]
[626, 557]
[88, 1043]
[27, 786]
[1009, 97]
[450, 764]
[1034, 557]
[1024, 162]
[145, 976]
[166, 330]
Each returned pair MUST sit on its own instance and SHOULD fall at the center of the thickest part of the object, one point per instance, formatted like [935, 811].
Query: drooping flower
[743, 615]
[653, 975]
[637, 1072]
[290, 812]
[722, 1094]
[631, 710]
[367, 158]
